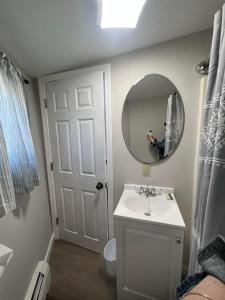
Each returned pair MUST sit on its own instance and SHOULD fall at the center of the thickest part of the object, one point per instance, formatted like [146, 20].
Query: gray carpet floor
[76, 275]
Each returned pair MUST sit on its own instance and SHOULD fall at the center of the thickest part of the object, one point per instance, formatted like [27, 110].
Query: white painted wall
[177, 60]
[145, 114]
[28, 229]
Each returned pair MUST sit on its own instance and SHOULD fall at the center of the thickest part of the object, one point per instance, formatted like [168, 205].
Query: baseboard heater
[40, 282]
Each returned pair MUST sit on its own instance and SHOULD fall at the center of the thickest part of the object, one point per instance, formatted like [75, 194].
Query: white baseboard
[49, 249]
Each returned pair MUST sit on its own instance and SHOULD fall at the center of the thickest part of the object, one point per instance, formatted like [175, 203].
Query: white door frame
[106, 69]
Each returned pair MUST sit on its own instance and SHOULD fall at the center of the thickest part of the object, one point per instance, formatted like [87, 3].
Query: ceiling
[47, 36]
[151, 86]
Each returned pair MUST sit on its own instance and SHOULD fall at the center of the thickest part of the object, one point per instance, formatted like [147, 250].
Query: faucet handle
[141, 190]
[153, 191]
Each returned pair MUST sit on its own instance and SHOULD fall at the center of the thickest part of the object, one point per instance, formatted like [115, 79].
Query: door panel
[69, 209]
[60, 100]
[84, 97]
[77, 135]
[90, 224]
[86, 146]
[64, 146]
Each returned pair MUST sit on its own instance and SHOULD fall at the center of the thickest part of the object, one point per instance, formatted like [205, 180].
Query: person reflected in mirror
[160, 145]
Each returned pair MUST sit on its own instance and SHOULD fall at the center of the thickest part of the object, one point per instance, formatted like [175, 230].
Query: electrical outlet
[146, 170]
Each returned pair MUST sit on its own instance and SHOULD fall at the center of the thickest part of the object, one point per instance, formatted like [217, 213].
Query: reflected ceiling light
[120, 13]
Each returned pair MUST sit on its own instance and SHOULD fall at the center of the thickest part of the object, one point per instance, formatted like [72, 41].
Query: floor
[76, 275]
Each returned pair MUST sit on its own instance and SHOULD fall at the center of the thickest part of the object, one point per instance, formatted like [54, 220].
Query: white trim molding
[50, 246]
[106, 69]
[48, 156]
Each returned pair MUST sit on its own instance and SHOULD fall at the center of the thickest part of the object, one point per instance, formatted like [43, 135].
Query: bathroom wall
[27, 230]
[145, 114]
[177, 60]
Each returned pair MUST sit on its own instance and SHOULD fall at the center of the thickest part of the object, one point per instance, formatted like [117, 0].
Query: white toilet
[109, 256]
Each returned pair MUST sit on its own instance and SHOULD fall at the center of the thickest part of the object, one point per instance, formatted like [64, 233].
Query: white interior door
[77, 135]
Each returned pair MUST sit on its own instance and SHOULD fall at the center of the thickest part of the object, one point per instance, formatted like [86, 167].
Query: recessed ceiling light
[120, 13]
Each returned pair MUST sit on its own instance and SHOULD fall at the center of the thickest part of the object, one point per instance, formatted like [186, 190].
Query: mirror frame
[158, 162]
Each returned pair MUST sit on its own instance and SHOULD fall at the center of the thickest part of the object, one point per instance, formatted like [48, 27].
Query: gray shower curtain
[209, 219]
[174, 123]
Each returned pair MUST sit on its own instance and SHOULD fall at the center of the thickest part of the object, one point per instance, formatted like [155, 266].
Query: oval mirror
[152, 119]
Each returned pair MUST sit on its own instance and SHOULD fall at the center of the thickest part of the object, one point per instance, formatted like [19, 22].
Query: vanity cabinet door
[149, 260]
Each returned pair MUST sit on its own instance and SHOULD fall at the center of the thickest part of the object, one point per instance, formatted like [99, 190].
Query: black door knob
[99, 186]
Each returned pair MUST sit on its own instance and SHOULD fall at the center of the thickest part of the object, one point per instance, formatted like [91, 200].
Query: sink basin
[159, 209]
[155, 206]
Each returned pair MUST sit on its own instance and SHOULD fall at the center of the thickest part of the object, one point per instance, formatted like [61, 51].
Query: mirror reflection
[153, 118]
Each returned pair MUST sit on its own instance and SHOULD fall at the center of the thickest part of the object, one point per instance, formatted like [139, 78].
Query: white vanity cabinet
[149, 253]
[149, 260]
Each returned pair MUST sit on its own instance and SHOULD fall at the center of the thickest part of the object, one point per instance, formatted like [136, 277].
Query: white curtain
[174, 123]
[16, 129]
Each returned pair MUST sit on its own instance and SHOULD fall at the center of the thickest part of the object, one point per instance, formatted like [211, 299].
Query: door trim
[106, 69]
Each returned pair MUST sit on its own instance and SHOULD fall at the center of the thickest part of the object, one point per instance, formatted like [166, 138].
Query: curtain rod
[203, 67]
[25, 80]
[4, 55]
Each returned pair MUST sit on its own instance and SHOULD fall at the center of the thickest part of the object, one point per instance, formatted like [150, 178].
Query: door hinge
[45, 103]
[51, 166]
[57, 220]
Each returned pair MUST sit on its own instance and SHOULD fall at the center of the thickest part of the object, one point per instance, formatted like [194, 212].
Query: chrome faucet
[147, 191]
[150, 192]
[153, 192]
[141, 190]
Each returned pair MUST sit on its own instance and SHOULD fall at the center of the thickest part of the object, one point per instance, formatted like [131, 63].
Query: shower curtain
[209, 218]
[174, 123]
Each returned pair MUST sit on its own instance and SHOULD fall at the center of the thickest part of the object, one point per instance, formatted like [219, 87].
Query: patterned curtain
[16, 129]
[174, 123]
[7, 195]
[209, 219]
